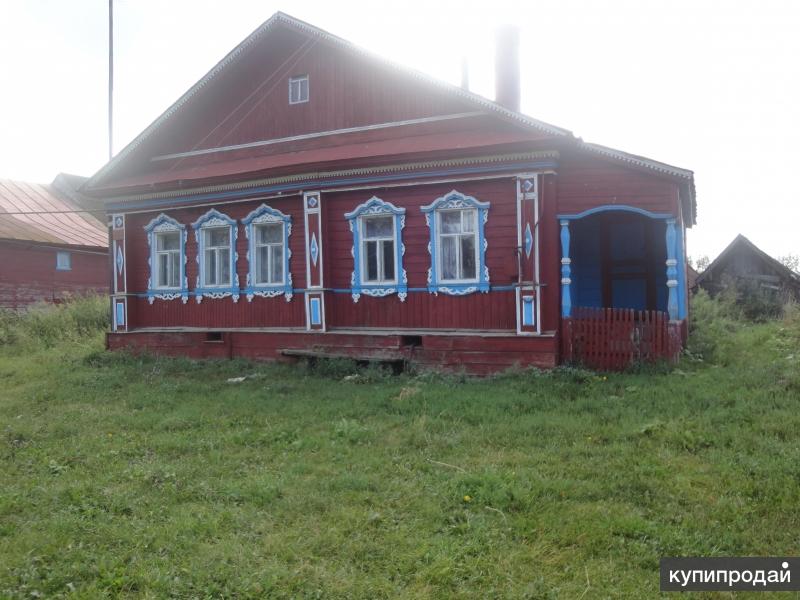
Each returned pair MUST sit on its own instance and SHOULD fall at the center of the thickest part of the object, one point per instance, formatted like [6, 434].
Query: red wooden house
[307, 197]
[50, 248]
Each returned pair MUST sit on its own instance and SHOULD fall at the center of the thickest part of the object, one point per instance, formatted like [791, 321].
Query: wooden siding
[248, 101]
[28, 274]
[586, 183]
[421, 310]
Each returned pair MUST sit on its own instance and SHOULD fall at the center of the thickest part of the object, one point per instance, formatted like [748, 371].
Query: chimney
[464, 73]
[506, 67]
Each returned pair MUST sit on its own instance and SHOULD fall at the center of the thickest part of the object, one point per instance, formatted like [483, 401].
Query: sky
[705, 85]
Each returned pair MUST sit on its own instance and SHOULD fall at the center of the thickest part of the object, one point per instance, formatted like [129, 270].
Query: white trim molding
[266, 214]
[214, 219]
[399, 285]
[163, 224]
[455, 200]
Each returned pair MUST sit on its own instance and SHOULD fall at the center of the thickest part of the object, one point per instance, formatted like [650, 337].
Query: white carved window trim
[359, 285]
[164, 224]
[296, 95]
[213, 219]
[260, 216]
[456, 201]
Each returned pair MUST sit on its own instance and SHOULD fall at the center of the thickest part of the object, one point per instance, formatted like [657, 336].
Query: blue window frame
[63, 261]
[378, 250]
[215, 234]
[268, 253]
[457, 244]
[167, 240]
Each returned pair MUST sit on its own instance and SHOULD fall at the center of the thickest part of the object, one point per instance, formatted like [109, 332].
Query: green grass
[143, 477]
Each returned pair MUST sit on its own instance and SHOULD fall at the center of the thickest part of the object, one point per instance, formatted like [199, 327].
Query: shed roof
[741, 242]
[44, 213]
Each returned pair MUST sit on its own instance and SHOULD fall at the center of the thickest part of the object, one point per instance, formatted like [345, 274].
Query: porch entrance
[618, 262]
[622, 286]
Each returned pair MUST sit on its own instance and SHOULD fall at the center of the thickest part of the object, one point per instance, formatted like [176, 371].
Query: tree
[700, 264]
[791, 260]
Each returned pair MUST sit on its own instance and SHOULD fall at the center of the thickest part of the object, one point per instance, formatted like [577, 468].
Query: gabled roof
[478, 101]
[472, 100]
[742, 241]
[41, 213]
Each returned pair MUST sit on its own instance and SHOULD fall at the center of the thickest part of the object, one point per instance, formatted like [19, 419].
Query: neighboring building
[742, 261]
[306, 197]
[48, 251]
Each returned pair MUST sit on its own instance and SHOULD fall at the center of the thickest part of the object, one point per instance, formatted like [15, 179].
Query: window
[216, 236]
[63, 261]
[458, 244]
[298, 89]
[268, 253]
[217, 247]
[377, 250]
[167, 240]
[168, 259]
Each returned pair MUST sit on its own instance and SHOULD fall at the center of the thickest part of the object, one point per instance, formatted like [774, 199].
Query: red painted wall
[28, 273]
[585, 182]
[495, 310]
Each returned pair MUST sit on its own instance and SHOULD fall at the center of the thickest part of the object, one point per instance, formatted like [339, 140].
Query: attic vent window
[298, 89]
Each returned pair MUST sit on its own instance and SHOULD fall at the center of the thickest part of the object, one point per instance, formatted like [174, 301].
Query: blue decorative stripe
[492, 288]
[325, 183]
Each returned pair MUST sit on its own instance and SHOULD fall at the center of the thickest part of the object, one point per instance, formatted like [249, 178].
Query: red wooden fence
[615, 338]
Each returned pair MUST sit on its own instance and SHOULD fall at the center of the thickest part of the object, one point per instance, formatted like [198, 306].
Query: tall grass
[45, 325]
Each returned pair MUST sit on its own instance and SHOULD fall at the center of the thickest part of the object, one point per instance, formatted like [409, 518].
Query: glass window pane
[451, 221]
[219, 236]
[388, 260]
[174, 269]
[224, 259]
[168, 241]
[262, 265]
[379, 227]
[269, 234]
[276, 274]
[468, 257]
[211, 268]
[162, 261]
[449, 258]
[371, 261]
[304, 89]
[468, 220]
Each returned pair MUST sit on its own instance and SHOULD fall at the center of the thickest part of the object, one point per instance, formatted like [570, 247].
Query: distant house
[308, 198]
[743, 261]
[48, 251]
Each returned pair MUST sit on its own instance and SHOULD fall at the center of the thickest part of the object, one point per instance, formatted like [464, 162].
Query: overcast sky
[708, 86]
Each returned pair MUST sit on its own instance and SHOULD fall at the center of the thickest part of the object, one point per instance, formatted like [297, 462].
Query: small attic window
[298, 89]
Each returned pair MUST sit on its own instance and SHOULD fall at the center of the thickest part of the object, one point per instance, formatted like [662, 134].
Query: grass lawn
[144, 477]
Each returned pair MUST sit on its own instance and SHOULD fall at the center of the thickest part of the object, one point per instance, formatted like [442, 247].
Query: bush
[44, 325]
[713, 320]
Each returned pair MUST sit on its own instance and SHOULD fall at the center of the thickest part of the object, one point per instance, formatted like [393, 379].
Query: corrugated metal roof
[39, 213]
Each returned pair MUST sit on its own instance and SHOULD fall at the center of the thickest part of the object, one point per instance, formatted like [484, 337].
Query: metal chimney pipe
[506, 69]
[464, 73]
